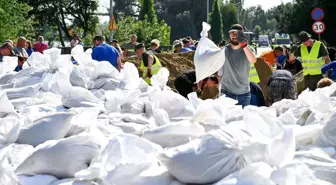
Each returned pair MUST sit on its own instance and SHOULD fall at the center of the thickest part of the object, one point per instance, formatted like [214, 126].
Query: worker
[293, 65]
[234, 74]
[178, 48]
[254, 77]
[314, 55]
[324, 82]
[150, 64]
[21, 61]
[155, 46]
[271, 56]
[105, 52]
[6, 49]
[329, 69]
[281, 85]
[130, 46]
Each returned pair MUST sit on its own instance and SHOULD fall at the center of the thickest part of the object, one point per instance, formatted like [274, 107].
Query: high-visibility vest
[310, 63]
[155, 69]
[254, 74]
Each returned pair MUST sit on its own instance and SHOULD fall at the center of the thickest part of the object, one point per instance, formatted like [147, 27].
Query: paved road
[261, 50]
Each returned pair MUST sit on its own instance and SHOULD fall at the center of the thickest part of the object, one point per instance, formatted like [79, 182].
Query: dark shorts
[243, 99]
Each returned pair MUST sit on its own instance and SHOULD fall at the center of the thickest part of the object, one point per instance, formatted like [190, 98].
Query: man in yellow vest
[253, 74]
[314, 55]
[150, 64]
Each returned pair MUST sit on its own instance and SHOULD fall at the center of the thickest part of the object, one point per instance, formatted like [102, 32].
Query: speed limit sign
[318, 27]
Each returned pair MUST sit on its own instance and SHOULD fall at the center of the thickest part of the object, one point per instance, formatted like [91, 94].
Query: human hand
[242, 39]
[149, 75]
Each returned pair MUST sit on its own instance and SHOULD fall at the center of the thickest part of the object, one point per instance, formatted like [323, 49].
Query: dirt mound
[176, 63]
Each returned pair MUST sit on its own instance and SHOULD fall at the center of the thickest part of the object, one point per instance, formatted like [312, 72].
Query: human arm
[328, 67]
[324, 53]
[119, 63]
[248, 52]
[150, 63]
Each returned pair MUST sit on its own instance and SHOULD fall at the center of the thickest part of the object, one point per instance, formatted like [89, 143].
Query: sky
[265, 4]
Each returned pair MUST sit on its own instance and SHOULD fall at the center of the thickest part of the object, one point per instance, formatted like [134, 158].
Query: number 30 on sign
[318, 27]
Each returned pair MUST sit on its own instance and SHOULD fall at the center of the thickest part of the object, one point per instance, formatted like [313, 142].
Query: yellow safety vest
[254, 74]
[155, 69]
[310, 63]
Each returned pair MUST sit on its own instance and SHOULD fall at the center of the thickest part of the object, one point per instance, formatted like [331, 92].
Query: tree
[66, 15]
[147, 9]
[126, 8]
[145, 30]
[216, 22]
[229, 14]
[14, 20]
[257, 31]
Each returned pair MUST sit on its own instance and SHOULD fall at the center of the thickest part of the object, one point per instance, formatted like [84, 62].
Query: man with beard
[234, 75]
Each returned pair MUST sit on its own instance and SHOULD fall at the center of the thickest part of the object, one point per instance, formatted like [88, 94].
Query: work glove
[149, 75]
[242, 39]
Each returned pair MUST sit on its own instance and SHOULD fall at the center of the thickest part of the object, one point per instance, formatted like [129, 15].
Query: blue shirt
[192, 47]
[105, 52]
[29, 51]
[183, 50]
[281, 59]
[330, 66]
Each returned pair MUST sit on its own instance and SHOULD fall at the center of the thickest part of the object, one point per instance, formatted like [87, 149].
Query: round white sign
[318, 27]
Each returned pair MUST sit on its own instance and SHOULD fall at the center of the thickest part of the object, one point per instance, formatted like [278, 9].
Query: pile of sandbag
[93, 125]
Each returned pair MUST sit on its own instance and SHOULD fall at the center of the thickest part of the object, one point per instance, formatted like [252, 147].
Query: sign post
[318, 26]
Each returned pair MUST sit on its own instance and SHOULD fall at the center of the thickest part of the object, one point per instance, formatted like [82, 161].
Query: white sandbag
[322, 165]
[173, 103]
[161, 117]
[4, 78]
[62, 158]
[137, 118]
[132, 79]
[85, 117]
[298, 174]
[175, 134]
[307, 135]
[8, 64]
[104, 69]
[80, 97]
[37, 179]
[99, 93]
[111, 84]
[7, 86]
[15, 154]
[53, 126]
[122, 156]
[160, 79]
[37, 60]
[9, 129]
[135, 108]
[73, 182]
[327, 137]
[29, 91]
[41, 98]
[149, 108]
[6, 106]
[209, 58]
[27, 81]
[253, 174]
[7, 176]
[209, 158]
[131, 128]
[114, 100]
[78, 77]
[35, 112]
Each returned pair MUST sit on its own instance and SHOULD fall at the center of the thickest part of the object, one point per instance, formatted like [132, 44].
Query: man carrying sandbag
[150, 64]
[314, 55]
[234, 75]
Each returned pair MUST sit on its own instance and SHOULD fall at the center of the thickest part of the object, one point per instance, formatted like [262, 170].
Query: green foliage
[148, 11]
[14, 21]
[216, 22]
[145, 30]
[257, 31]
[230, 17]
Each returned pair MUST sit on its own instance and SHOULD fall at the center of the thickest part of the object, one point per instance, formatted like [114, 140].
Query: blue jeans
[243, 99]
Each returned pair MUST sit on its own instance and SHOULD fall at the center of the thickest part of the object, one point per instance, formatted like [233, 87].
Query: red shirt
[40, 47]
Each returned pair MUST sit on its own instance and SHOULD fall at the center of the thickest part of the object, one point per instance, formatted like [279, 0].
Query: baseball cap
[236, 27]
[139, 46]
[304, 36]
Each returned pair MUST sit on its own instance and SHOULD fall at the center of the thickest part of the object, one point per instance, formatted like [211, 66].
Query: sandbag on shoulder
[62, 158]
[53, 126]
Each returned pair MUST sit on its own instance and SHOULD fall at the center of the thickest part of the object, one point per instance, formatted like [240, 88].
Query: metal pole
[238, 14]
[111, 15]
[319, 37]
[208, 10]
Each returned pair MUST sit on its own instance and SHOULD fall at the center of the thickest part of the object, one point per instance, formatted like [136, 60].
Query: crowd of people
[238, 78]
